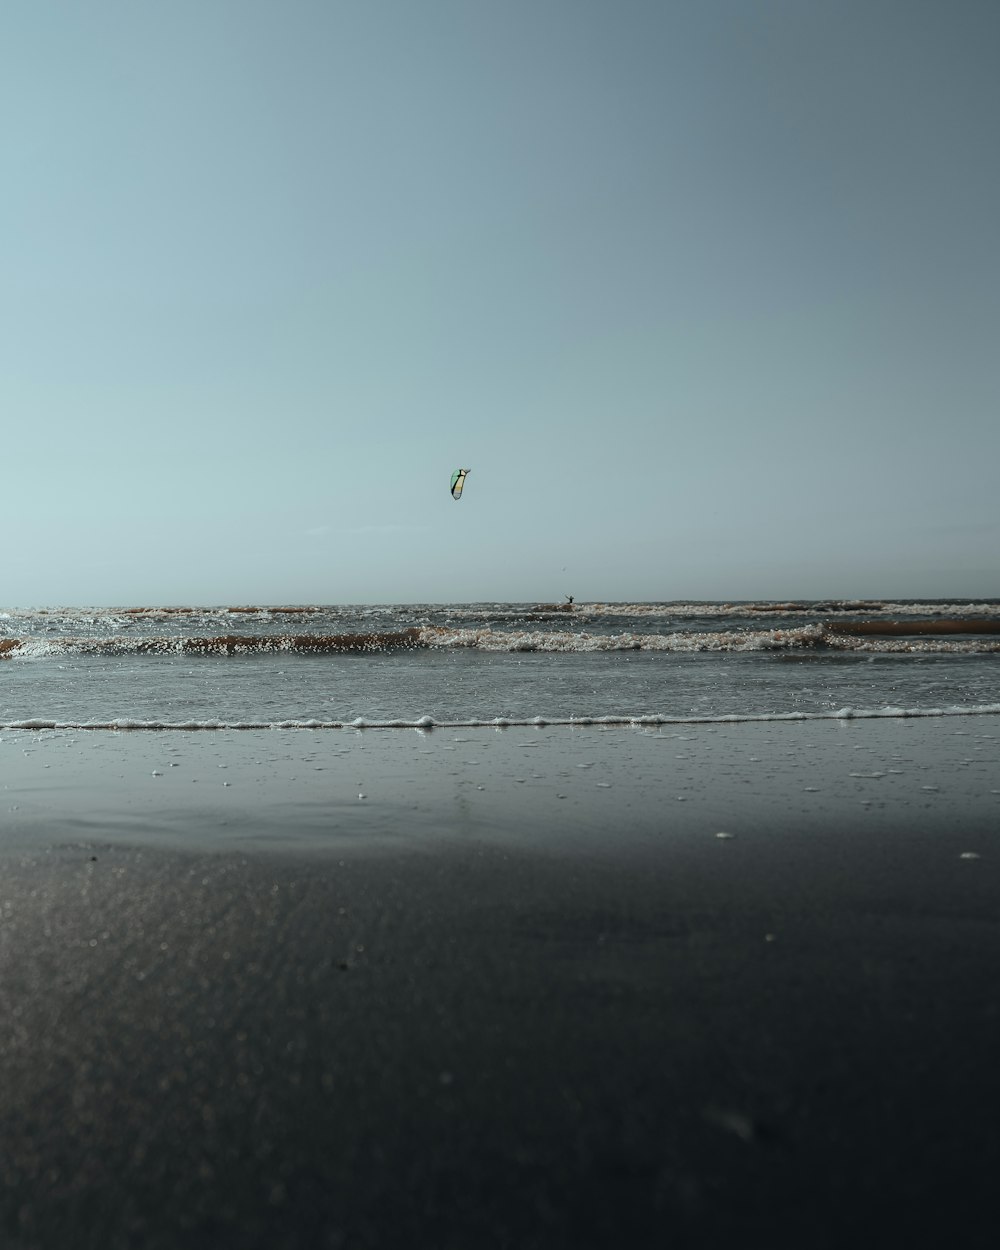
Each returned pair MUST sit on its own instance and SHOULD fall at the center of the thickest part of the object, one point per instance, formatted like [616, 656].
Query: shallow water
[590, 787]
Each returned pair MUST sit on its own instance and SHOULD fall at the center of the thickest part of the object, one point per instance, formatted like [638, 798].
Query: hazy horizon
[292, 606]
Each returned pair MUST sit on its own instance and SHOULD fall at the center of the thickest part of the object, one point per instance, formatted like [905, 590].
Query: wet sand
[520, 994]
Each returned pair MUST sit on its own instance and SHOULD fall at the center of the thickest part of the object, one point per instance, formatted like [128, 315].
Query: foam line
[503, 722]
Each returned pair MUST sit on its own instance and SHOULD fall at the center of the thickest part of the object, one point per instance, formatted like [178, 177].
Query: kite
[457, 482]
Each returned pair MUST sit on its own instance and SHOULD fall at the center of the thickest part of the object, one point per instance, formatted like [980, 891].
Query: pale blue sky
[706, 294]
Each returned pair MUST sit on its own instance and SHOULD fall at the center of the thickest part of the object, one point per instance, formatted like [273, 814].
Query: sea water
[471, 664]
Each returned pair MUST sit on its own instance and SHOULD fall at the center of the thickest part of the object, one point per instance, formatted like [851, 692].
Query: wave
[823, 607]
[674, 609]
[243, 610]
[871, 636]
[887, 636]
[683, 610]
[427, 723]
[228, 644]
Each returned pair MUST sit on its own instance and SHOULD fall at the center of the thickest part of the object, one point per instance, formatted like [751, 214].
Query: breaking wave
[954, 636]
[872, 636]
[227, 644]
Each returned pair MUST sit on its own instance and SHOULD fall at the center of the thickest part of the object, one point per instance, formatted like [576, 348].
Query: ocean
[495, 664]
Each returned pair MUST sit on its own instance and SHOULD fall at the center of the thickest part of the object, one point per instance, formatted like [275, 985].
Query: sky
[705, 294]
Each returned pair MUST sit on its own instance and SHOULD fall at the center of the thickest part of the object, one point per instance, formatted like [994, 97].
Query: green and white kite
[457, 482]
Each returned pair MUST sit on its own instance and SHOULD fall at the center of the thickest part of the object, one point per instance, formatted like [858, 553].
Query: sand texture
[556, 1011]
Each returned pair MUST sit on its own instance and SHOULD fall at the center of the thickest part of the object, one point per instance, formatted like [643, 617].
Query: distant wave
[668, 610]
[247, 610]
[955, 636]
[427, 723]
[785, 607]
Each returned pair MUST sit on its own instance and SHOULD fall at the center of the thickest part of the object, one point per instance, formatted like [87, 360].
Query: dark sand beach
[521, 994]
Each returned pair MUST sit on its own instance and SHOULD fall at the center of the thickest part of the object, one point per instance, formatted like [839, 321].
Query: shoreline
[557, 1011]
[614, 787]
[643, 721]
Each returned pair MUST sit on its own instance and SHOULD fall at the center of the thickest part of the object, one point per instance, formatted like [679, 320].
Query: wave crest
[886, 636]
[226, 644]
[875, 636]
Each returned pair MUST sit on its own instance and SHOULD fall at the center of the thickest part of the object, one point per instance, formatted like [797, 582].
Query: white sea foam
[837, 625]
[796, 638]
[869, 608]
[504, 722]
[676, 610]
